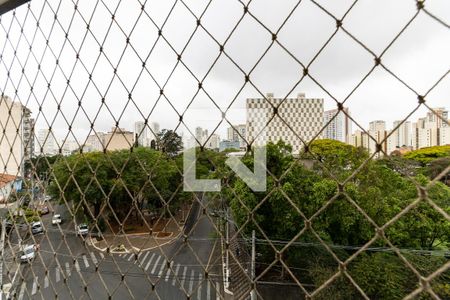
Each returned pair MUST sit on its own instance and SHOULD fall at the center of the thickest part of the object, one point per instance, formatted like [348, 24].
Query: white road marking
[131, 256]
[57, 274]
[34, 289]
[77, 266]
[86, 263]
[208, 289]
[183, 279]
[67, 269]
[156, 263]
[162, 267]
[199, 290]
[191, 282]
[45, 282]
[94, 259]
[149, 262]
[176, 274]
[102, 255]
[22, 291]
[167, 275]
[142, 261]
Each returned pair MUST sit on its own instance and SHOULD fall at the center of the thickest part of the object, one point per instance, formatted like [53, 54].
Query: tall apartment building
[145, 134]
[46, 142]
[340, 126]
[213, 142]
[375, 135]
[431, 130]
[238, 133]
[296, 118]
[16, 136]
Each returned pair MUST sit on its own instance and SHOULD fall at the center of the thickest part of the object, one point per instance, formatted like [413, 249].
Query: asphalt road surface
[66, 268]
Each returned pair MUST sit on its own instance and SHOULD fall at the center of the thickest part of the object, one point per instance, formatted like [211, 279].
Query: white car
[37, 227]
[29, 253]
[82, 229]
[56, 219]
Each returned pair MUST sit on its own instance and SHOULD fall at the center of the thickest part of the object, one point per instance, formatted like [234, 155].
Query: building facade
[339, 126]
[229, 145]
[118, 139]
[16, 136]
[46, 143]
[145, 134]
[238, 133]
[296, 119]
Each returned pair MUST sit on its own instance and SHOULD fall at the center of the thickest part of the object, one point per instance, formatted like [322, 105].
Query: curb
[93, 244]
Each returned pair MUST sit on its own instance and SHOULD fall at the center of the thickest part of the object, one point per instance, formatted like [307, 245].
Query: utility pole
[253, 292]
[227, 229]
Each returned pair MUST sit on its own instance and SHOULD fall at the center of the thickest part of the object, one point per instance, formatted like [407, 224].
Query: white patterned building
[290, 120]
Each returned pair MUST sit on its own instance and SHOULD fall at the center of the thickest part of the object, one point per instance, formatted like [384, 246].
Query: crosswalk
[177, 275]
[154, 265]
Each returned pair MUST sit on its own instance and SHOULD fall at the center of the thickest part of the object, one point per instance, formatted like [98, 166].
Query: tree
[380, 188]
[426, 155]
[169, 142]
[118, 181]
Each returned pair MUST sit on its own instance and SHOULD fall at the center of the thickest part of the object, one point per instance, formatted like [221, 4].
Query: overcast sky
[419, 57]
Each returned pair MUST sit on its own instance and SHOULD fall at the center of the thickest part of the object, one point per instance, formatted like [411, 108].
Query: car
[47, 198]
[37, 227]
[56, 219]
[44, 210]
[8, 226]
[28, 253]
[82, 229]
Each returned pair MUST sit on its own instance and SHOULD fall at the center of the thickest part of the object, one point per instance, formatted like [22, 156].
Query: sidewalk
[137, 242]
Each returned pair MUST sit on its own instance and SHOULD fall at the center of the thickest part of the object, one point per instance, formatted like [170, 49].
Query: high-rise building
[145, 134]
[340, 126]
[431, 130]
[237, 133]
[16, 136]
[296, 119]
[46, 142]
[213, 142]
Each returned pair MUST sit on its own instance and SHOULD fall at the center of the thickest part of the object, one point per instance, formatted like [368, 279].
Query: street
[66, 268]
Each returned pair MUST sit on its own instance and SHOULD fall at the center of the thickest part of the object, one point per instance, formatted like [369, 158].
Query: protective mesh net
[91, 209]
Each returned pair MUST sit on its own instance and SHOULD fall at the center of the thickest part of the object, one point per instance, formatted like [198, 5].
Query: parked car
[56, 219]
[8, 226]
[44, 210]
[28, 253]
[82, 229]
[37, 227]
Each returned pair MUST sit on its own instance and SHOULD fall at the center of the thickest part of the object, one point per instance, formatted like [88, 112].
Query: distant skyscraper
[145, 133]
[16, 136]
[297, 118]
[46, 142]
[213, 142]
[340, 127]
[237, 133]
[402, 135]
[431, 130]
